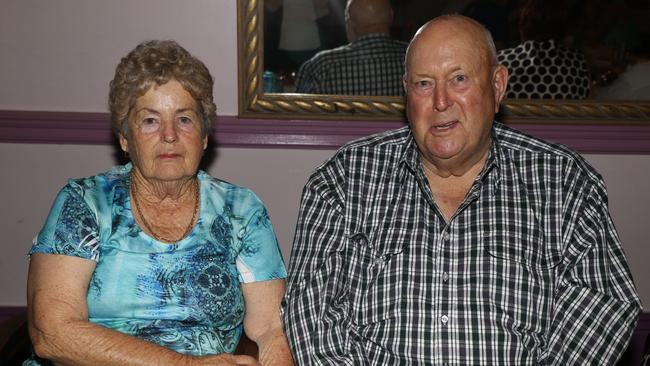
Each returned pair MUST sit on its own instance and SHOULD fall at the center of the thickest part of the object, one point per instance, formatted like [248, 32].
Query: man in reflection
[371, 64]
[457, 240]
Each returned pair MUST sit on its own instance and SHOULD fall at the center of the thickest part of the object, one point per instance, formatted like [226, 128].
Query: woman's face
[165, 141]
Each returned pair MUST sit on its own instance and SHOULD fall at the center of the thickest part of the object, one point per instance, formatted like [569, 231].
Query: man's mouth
[445, 126]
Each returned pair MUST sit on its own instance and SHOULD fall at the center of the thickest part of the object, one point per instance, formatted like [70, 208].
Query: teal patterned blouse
[184, 296]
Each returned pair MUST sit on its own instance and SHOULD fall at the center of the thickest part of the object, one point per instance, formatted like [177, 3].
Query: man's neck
[450, 182]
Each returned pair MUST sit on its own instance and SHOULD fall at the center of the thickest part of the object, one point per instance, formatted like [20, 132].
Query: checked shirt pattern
[529, 270]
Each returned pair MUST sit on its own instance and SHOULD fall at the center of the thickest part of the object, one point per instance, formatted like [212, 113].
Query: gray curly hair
[157, 62]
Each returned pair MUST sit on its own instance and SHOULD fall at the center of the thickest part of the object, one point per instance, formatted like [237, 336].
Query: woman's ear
[124, 143]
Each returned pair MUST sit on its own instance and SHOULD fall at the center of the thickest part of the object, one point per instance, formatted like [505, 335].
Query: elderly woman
[155, 262]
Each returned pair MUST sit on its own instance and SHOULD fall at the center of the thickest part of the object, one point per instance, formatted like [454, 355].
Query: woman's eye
[149, 125]
[185, 123]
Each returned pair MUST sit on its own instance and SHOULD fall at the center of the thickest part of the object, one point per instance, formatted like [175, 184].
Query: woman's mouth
[168, 156]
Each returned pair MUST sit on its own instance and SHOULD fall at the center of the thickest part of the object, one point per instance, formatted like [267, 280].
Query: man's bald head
[365, 17]
[453, 23]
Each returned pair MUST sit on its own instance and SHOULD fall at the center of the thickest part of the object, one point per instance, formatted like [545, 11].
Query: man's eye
[423, 84]
[460, 78]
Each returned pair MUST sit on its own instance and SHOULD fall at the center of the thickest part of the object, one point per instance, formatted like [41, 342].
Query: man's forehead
[455, 37]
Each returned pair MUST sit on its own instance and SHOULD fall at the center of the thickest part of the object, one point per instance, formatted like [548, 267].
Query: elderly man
[457, 240]
[372, 64]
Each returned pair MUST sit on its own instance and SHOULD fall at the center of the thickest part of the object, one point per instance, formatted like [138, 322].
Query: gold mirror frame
[254, 103]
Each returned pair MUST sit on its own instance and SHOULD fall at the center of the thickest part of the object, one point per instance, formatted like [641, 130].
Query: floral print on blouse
[185, 296]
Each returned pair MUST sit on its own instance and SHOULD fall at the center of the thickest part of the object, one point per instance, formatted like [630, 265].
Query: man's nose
[441, 98]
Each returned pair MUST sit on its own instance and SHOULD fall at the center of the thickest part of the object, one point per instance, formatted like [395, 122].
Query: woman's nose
[169, 132]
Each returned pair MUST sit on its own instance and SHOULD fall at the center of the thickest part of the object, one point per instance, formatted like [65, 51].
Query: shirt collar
[490, 174]
[371, 37]
[410, 156]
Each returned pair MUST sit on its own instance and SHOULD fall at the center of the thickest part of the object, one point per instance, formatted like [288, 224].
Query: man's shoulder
[528, 148]
[331, 54]
[392, 137]
[383, 40]
[514, 140]
[385, 147]
[371, 42]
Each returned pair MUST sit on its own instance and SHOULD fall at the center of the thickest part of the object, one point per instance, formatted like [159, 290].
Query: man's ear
[499, 84]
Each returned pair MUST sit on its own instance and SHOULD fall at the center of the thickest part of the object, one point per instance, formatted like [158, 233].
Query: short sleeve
[70, 228]
[259, 258]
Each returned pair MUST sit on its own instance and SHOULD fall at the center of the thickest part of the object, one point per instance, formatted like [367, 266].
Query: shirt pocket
[517, 282]
[374, 288]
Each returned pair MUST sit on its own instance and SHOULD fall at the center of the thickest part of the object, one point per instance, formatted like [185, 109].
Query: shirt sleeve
[70, 229]
[306, 81]
[259, 258]
[596, 304]
[315, 307]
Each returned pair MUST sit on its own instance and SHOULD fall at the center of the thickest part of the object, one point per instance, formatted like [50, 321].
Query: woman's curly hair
[157, 62]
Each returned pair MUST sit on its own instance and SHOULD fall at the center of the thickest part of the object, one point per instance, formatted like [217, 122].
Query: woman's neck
[154, 190]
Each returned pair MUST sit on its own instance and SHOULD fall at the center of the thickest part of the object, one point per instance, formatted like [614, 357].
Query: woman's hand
[225, 360]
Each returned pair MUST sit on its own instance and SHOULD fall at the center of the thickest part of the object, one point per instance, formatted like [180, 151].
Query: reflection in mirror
[551, 47]
[255, 102]
[367, 61]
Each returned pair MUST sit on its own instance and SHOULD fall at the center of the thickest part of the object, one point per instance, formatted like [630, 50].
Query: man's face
[453, 92]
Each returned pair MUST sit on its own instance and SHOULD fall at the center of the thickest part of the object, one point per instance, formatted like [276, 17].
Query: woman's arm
[59, 329]
[262, 322]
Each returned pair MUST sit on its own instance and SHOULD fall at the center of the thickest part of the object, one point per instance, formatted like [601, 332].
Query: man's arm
[316, 305]
[596, 304]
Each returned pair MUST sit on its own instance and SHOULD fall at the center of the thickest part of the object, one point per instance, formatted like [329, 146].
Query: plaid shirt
[371, 65]
[529, 270]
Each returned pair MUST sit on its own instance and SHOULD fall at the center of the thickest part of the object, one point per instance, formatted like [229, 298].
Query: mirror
[254, 102]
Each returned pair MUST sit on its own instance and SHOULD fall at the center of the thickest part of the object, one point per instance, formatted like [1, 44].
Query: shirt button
[444, 319]
[445, 277]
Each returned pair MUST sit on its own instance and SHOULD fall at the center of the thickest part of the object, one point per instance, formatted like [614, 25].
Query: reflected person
[541, 67]
[155, 261]
[456, 239]
[371, 64]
